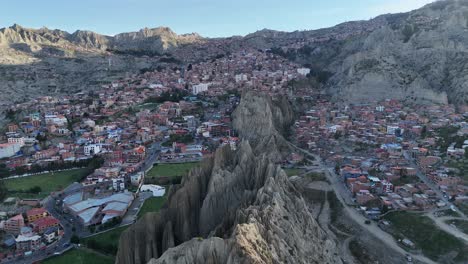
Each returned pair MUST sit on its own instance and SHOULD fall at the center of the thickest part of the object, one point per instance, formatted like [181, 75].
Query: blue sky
[211, 18]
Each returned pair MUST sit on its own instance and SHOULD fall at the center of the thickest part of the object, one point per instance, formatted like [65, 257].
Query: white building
[199, 88]
[380, 108]
[241, 77]
[118, 184]
[16, 140]
[58, 120]
[303, 71]
[391, 130]
[92, 149]
[157, 190]
[9, 149]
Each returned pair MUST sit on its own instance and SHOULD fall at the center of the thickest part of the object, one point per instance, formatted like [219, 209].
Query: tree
[3, 191]
[35, 189]
[424, 132]
[4, 172]
[75, 239]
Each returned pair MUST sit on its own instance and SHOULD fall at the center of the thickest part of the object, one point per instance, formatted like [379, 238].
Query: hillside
[238, 207]
[420, 55]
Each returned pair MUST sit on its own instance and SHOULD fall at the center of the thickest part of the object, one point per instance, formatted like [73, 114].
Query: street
[339, 189]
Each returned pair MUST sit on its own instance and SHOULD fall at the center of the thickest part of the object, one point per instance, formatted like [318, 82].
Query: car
[409, 258]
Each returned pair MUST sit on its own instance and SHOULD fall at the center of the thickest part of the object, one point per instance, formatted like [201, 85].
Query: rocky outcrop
[263, 122]
[238, 207]
[151, 39]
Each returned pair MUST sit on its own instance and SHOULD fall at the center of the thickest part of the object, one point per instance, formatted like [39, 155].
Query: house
[303, 71]
[42, 224]
[50, 234]
[28, 242]
[14, 224]
[199, 88]
[135, 179]
[35, 214]
[90, 150]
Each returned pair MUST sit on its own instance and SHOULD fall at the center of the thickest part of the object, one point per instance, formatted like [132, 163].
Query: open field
[460, 224]
[433, 242]
[171, 170]
[152, 204]
[107, 242]
[78, 256]
[47, 182]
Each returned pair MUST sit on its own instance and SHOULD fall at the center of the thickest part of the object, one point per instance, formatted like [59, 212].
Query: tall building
[14, 224]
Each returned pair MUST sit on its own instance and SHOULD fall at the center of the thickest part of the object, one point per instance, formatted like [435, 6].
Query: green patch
[316, 176]
[148, 106]
[462, 168]
[48, 182]
[171, 170]
[78, 256]
[433, 242]
[463, 207]
[462, 225]
[152, 204]
[107, 242]
[405, 180]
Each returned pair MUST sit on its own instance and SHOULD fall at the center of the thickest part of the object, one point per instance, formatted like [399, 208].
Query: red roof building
[42, 224]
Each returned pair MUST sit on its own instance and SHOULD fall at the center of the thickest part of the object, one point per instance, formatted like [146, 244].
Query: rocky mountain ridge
[420, 55]
[238, 207]
[155, 39]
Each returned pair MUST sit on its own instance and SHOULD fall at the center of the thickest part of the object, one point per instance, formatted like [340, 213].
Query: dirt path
[440, 222]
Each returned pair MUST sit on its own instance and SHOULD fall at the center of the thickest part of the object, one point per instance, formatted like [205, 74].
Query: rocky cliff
[237, 207]
[151, 39]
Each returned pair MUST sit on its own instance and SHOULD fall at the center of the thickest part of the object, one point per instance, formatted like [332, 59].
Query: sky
[210, 18]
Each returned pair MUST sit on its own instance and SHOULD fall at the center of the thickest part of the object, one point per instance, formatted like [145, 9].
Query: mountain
[35, 62]
[420, 55]
[153, 39]
[238, 207]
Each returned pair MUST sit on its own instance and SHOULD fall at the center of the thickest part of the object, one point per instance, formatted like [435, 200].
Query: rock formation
[237, 207]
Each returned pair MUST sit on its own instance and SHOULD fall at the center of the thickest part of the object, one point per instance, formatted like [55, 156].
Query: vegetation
[137, 53]
[175, 95]
[293, 171]
[359, 252]
[446, 136]
[78, 256]
[433, 242]
[153, 204]
[42, 184]
[90, 164]
[171, 170]
[408, 31]
[462, 225]
[107, 242]
[316, 176]
[187, 138]
[405, 180]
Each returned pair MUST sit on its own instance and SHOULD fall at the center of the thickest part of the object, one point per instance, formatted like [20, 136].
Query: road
[338, 187]
[431, 184]
[68, 222]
